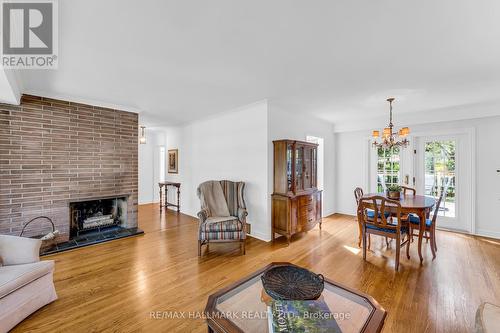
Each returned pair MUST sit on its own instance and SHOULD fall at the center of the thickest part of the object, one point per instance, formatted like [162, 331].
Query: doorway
[444, 163]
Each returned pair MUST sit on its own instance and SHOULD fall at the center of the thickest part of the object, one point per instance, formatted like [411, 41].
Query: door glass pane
[439, 171]
[299, 167]
[289, 159]
[388, 166]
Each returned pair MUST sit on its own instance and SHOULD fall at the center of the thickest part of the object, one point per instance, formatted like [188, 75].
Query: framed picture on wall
[173, 161]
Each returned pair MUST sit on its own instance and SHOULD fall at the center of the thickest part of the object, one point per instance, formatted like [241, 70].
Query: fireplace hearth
[96, 220]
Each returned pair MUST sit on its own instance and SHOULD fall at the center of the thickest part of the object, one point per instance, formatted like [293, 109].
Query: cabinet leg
[288, 237]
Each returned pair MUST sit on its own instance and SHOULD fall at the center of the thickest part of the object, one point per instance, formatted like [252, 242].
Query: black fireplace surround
[97, 214]
[96, 220]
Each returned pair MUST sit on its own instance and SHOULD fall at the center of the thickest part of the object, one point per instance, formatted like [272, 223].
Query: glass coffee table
[242, 307]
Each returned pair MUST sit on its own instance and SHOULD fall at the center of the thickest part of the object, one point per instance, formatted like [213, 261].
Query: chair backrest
[407, 189]
[358, 193]
[233, 194]
[380, 205]
[442, 197]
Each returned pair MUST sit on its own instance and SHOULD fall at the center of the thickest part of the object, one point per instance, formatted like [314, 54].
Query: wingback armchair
[223, 213]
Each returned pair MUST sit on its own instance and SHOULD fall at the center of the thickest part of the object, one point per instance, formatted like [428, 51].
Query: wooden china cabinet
[296, 200]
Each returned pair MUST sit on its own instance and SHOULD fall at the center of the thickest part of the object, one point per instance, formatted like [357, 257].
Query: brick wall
[52, 152]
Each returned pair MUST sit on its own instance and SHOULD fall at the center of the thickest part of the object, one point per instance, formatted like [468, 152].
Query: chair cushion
[370, 213]
[222, 230]
[219, 219]
[416, 220]
[230, 223]
[16, 276]
[404, 229]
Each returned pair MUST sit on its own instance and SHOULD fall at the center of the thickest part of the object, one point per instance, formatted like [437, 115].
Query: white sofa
[26, 283]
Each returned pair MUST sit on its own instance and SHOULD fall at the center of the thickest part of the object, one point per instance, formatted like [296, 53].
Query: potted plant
[394, 192]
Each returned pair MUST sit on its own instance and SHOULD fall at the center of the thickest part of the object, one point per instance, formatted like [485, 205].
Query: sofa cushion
[19, 250]
[16, 276]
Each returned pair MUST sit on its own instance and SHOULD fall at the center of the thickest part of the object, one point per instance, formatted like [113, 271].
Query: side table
[164, 198]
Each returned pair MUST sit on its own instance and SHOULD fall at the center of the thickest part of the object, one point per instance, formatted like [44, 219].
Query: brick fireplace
[54, 152]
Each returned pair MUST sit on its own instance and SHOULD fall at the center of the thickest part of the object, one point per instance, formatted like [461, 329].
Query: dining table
[419, 205]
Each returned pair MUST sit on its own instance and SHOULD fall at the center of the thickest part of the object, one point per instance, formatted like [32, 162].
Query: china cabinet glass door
[307, 168]
[314, 167]
[289, 166]
[299, 168]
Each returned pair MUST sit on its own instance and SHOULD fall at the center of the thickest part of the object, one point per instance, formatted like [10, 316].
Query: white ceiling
[180, 60]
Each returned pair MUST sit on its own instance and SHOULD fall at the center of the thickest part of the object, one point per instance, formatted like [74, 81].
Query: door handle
[413, 181]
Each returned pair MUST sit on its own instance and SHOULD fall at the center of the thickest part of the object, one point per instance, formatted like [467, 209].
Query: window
[388, 167]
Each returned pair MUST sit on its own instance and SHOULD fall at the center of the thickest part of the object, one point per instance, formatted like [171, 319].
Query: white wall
[233, 146]
[237, 145]
[349, 169]
[351, 158]
[149, 165]
[285, 125]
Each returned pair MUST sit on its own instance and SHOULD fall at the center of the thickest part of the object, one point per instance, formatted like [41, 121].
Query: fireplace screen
[97, 214]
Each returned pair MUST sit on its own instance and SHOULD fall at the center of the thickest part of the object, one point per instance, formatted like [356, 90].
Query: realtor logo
[29, 34]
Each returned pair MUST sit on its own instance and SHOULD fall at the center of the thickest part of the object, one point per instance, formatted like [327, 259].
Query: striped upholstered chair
[223, 213]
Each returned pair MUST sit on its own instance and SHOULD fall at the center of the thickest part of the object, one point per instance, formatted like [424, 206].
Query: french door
[444, 162]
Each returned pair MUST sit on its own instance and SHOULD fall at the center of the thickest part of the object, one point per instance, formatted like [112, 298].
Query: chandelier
[389, 138]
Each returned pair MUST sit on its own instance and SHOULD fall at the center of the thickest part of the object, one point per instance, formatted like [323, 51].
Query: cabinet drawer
[306, 210]
[305, 200]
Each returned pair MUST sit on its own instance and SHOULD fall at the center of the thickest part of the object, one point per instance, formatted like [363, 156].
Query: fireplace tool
[48, 240]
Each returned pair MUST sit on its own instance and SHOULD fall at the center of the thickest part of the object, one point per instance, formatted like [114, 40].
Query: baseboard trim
[148, 203]
[259, 236]
[488, 233]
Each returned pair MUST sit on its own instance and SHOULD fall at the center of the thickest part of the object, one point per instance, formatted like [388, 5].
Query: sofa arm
[203, 215]
[19, 250]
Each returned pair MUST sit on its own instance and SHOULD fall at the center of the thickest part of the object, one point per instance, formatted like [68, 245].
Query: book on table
[301, 317]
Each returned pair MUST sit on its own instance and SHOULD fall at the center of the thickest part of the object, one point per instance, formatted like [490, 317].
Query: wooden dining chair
[382, 224]
[358, 194]
[430, 224]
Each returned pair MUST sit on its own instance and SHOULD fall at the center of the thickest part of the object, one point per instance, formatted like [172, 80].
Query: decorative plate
[292, 283]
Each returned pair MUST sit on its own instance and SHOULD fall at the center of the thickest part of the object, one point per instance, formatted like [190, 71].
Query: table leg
[360, 226]
[178, 198]
[161, 197]
[421, 234]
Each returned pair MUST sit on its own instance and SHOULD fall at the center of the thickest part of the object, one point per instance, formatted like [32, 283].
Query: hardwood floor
[113, 287]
